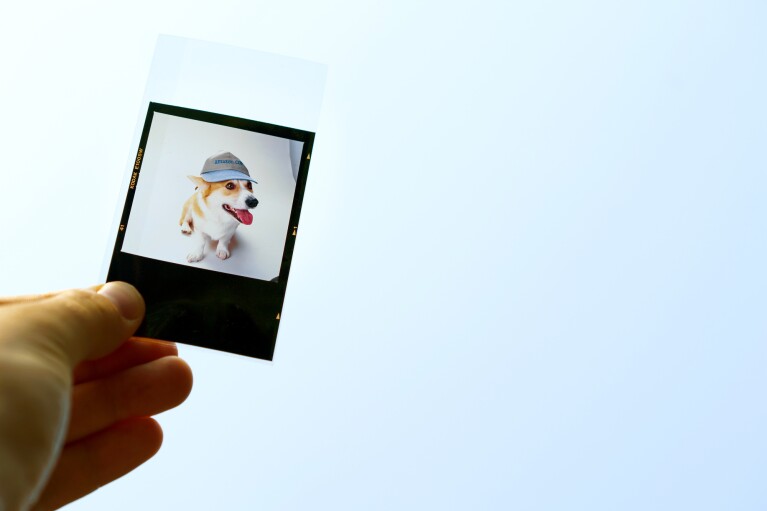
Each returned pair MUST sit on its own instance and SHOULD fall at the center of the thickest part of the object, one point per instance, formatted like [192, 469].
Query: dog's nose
[251, 202]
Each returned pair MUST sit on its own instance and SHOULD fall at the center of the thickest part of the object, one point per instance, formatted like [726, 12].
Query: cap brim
[217, 176]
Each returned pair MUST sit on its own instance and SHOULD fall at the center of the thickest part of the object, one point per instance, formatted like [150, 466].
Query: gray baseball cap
[224, 167]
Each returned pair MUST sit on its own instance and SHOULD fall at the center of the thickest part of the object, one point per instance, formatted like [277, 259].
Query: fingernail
[124, 297]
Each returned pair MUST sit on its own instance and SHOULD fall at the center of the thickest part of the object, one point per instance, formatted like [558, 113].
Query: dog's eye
[230, 186]
[249, 186]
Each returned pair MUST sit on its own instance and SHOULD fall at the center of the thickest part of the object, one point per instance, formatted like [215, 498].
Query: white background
[530, 272]
[178, 147]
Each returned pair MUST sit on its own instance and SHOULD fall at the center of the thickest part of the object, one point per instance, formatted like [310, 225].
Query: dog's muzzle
[251, 202]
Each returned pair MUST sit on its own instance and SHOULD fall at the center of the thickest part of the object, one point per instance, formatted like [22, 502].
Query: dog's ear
[198, 182]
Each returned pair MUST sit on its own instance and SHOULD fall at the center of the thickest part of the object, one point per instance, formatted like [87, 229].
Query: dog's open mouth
[242, 215]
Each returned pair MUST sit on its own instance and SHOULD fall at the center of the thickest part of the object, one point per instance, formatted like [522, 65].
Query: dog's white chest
[215, 228]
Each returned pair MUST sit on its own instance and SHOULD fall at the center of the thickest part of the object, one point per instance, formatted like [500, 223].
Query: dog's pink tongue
[244, 216]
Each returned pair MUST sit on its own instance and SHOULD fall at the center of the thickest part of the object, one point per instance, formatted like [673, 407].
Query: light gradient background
[530, 273]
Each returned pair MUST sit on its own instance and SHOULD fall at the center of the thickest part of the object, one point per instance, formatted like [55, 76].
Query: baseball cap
[224, 167]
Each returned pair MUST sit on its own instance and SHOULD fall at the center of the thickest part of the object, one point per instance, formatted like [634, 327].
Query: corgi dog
[214, 212]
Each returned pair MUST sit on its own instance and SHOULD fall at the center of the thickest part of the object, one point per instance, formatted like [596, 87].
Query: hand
[73, 411]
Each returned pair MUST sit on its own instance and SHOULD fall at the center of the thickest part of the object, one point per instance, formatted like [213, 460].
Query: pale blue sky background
[530, 273]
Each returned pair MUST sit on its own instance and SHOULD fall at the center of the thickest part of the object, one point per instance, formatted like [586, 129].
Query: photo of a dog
[214, 197]
[222, 201]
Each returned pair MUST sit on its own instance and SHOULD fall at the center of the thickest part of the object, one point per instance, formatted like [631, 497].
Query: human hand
[75, 397]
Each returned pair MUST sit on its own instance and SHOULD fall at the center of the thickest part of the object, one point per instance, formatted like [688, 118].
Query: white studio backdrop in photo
[177, 148]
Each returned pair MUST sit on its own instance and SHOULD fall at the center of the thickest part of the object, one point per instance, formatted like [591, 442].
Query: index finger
[135, 351]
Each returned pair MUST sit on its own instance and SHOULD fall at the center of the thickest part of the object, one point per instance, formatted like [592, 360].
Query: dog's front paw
[222, 253]
[186, 230]
[193, 257]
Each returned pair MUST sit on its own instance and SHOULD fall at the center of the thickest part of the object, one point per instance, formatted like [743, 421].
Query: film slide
[209, 224]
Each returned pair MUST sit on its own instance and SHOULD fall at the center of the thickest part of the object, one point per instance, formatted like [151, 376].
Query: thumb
[75, 325]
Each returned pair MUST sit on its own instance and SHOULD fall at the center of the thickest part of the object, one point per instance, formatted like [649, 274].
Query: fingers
[133, 352]
[143, 390]
[40, 342]
[86, 465]
[72, 326]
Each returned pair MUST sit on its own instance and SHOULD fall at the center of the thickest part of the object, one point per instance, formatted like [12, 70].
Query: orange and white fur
[214, 212]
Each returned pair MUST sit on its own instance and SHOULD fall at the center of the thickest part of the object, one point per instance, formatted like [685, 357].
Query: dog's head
[233, 197]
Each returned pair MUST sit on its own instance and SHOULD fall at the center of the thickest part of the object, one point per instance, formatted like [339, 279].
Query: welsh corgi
[214, 212]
